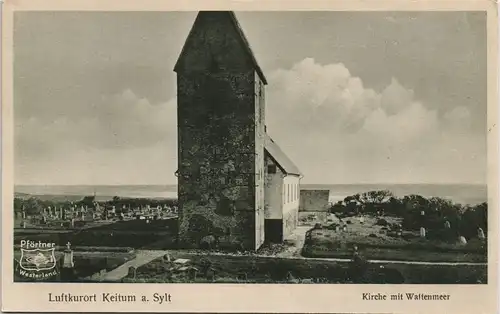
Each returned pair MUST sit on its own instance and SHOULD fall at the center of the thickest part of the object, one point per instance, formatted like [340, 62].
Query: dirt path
[296, 240]
[142, 257]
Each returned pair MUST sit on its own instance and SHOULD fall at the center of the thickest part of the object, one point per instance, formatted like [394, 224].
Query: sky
[353, 97]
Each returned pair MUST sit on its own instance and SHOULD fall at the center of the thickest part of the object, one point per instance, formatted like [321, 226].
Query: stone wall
[217, 160]
[220, 137]
[314, 200]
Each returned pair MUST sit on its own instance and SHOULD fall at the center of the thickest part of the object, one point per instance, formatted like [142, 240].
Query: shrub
[349, 222]
[392, 234]
[332, 226]
[382, 222]
[358, 268]
[372, 235]
[208, 242]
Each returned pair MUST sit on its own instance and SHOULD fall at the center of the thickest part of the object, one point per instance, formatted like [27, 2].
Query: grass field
[257, 269]
[374, 243]
[132, 233]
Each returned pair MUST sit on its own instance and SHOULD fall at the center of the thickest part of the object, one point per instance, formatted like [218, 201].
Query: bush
[372, 235]
[349, 222]
[332, 226]
[382, 222]
[358, 268]
[208, 242]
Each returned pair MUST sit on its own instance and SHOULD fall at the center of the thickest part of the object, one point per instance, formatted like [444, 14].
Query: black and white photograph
[250, 147]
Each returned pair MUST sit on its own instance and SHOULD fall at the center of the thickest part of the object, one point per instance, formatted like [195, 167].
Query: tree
[353, 203]
[18, 204]
[32, 206]
[395, 206]
[372, 201]
[338, 207]
[87, 201]
[376, 197]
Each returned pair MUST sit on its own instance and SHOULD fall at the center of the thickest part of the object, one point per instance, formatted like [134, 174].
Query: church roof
[282, 160]
[241, 36]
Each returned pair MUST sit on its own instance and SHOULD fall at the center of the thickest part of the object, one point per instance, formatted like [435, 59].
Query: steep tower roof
[233, 22]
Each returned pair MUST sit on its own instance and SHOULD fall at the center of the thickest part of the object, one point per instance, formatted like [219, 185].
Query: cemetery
[107, 236]
[413, 228]
[102, 236]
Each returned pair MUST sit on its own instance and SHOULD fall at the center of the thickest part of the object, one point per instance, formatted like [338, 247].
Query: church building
[235, 185]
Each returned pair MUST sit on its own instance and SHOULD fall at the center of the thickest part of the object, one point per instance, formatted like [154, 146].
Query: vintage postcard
[249, 156]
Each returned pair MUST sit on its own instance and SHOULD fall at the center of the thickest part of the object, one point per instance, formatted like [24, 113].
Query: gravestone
[462, 240]
[422, 232]
[480, 234]
[192, 272]
[447, 224]
[422, 213]
[210, 274]
[132, 272]
[208, 242]
[344, 228]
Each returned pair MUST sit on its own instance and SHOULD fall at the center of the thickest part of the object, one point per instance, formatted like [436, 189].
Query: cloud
[334, 128]
[121, 139]
[339, 131]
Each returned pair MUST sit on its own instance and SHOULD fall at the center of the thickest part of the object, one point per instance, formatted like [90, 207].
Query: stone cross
[68, 261]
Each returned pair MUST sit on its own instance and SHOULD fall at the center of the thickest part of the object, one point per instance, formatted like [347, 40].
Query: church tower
[221, 136]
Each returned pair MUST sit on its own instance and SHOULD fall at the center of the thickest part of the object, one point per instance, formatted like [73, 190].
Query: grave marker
[422, 232]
